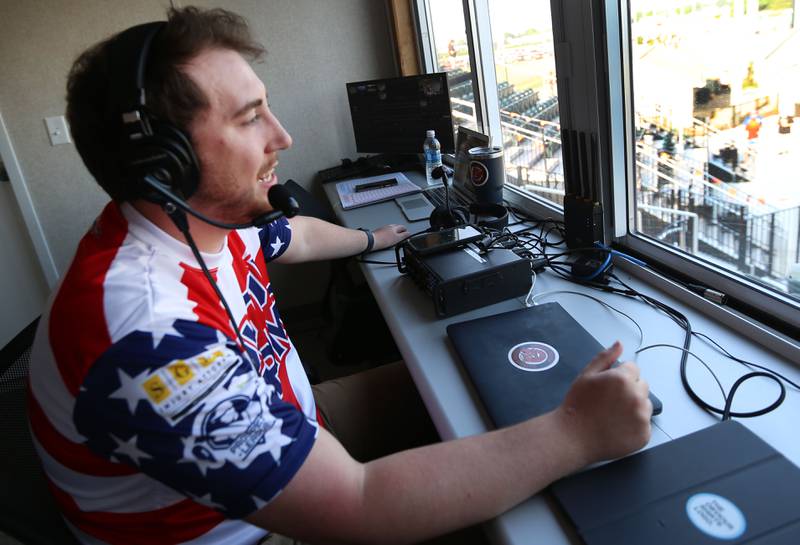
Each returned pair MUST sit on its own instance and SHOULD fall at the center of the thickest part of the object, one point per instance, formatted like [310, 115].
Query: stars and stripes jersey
[152, 425]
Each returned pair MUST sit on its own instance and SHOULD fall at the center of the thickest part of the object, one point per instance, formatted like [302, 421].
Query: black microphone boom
[278, 196]
[282, 201]
[440, 172]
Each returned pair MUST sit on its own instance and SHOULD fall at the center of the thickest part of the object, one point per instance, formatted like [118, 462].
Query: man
[158, 421]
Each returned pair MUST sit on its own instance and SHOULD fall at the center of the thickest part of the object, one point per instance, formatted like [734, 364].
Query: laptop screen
[466, 139]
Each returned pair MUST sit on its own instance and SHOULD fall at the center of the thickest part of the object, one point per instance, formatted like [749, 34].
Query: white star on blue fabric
[277, 245]
[129, 389]
[278, 441]
[206, 500]
[258, 501]
[159, 334]
[129, 449]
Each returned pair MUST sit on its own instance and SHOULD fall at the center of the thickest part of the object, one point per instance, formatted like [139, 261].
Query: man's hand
[413, 495]
[389, 235]
[608, 410]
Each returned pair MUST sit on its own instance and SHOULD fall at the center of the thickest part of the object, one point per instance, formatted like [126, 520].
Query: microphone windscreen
[280, 199]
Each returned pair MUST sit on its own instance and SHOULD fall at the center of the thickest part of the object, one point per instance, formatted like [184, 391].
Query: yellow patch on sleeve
[156, 390]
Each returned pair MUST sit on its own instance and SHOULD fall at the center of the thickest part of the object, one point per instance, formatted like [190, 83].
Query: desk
[456, 411]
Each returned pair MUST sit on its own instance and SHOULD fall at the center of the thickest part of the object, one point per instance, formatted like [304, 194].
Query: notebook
[722, 484]
[351, 198]
[523, 362]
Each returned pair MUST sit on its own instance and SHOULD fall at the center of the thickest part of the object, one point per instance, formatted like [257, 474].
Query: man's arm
[420, 493]
[314, 240]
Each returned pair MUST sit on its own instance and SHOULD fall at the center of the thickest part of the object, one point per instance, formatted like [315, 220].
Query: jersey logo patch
[237, 429]
[177, 387]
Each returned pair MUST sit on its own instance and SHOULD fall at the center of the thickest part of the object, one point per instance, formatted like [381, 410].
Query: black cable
[373, 262]
[541, 243]
[744, 362]
[178, 217]
[725, 412]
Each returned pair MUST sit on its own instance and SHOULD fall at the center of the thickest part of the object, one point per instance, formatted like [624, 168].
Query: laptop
[722, 484]
[419, 206]
[523, 362]
[461, 192]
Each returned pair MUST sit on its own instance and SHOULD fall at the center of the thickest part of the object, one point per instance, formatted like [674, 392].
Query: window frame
[600, 65]
[487, 105]
[766, 305]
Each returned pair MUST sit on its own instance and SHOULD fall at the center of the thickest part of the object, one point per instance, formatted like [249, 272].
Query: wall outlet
[57, 130]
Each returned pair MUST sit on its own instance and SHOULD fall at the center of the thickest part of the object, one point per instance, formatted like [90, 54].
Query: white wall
[24, 288]
[314, 47]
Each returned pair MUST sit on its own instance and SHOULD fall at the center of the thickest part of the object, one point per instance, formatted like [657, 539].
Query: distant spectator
[752, 124]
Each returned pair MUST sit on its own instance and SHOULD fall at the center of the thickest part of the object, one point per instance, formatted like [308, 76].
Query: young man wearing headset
[166, 413]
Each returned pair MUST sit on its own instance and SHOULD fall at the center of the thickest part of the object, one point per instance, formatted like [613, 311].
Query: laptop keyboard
[436, 196]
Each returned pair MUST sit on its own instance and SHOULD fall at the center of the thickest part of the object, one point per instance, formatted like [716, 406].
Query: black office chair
[28, 512]
[357, 332]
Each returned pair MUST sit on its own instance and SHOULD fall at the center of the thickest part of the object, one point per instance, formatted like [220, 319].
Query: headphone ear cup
[494, 216]
[167, 155]
[184, 170]
[461, 215]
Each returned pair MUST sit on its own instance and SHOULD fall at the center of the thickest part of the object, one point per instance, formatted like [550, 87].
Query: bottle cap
[430, 134]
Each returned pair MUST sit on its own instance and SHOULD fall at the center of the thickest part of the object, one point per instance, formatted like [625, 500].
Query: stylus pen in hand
[376, 185]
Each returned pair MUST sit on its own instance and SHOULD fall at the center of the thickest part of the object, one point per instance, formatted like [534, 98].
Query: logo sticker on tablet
[533, 356]
[716, 516]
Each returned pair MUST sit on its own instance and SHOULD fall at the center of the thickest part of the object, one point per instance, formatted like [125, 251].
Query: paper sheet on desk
[352, 199]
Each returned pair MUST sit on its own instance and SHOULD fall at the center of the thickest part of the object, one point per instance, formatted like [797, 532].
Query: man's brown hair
[171, 95]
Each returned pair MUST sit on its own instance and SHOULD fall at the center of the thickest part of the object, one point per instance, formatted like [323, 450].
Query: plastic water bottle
[433, 155]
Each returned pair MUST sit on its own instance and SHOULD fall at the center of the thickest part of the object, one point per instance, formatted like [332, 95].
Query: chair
[358, 331]
[28, 512]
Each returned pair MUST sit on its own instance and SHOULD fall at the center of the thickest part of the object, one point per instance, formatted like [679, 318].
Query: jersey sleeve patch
[193, 414]
[275, 238]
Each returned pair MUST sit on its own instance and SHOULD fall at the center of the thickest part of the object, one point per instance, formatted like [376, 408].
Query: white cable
[530, 297]
[544, 293]
[721, 389]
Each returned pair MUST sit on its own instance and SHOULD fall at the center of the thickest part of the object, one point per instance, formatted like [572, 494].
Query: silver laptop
[462, 194]
[419, 206]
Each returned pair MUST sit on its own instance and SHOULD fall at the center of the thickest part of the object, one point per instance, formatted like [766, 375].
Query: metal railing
[677, 202]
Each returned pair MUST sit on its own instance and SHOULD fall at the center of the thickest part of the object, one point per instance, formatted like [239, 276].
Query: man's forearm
[416, 494]
[318, 240]
[451, 485]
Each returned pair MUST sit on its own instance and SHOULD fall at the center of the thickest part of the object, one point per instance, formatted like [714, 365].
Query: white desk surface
[456, 410]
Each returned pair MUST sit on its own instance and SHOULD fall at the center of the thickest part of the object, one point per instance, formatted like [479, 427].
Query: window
[715, 87]
[528, 98]
[692, 105]
[450, 53]
[518, 71]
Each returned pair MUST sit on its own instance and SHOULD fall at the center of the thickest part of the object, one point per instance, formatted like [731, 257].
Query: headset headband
[132, 48]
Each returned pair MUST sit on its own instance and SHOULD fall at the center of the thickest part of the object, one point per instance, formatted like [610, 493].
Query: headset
[157, 158]
[149, 147]
[489, 215]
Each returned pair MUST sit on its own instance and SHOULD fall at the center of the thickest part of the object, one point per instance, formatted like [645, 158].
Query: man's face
[237, 138]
